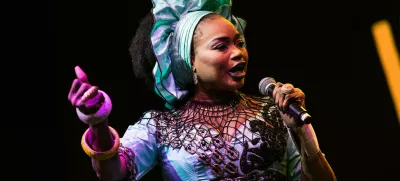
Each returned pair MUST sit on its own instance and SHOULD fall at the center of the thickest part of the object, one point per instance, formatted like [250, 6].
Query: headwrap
[171, 37]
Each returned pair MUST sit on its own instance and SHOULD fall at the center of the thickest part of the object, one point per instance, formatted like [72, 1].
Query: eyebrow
[225, 38]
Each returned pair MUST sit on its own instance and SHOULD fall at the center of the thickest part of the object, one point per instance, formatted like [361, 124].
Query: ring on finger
[287, 89]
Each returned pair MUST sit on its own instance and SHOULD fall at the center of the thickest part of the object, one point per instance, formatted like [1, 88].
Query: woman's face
[220, 58]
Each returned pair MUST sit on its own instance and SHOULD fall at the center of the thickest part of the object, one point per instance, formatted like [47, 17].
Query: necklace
[216, 106]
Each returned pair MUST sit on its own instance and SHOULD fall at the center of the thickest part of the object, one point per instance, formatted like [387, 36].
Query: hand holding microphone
[289, 100]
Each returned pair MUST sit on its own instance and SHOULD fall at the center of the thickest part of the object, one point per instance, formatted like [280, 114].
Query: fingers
[92, 101]
[74, 87]
[287, 88]
[81, 75]
[297, 96]
[277, 95]
[279, 100]
[284, 94]
[88, 94]
[286, 101]
[276, 89]
[82, 89]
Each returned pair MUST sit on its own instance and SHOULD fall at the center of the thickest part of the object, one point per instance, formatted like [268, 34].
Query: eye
[220, 47]
[240, 43]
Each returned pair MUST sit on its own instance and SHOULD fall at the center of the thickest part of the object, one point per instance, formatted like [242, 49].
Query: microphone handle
[294, 109]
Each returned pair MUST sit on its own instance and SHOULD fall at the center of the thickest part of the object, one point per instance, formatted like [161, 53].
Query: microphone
[266, 87]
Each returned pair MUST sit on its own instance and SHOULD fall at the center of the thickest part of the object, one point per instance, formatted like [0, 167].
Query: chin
[235, 85]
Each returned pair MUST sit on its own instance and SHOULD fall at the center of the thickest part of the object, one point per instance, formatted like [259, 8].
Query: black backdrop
[325, 49]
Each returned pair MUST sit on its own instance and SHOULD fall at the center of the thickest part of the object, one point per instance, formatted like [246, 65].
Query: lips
[237, 71]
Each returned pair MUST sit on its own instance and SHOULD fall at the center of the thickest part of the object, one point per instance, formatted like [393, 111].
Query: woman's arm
[135, 153]
[314, 164]
[101, 139]
[93, 107]
[113, 158]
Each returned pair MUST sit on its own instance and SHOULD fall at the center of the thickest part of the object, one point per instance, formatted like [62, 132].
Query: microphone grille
[263, 84]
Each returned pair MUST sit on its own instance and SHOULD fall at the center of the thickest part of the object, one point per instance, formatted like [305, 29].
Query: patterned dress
[244, 139]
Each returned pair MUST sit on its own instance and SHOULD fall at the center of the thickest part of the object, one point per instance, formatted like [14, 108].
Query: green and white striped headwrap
[171, 37]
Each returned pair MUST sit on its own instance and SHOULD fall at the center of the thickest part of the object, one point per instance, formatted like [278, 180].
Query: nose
[236, 54]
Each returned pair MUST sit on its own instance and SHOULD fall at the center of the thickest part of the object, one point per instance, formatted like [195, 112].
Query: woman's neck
[213, 96]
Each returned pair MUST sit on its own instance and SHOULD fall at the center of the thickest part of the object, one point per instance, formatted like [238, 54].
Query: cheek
[212, 72]
[245, 54]
[212, 67]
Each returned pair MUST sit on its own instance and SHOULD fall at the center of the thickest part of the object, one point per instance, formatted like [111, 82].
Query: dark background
[325, 49]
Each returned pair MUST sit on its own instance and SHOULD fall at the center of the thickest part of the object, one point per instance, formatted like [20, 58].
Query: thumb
[81, 75]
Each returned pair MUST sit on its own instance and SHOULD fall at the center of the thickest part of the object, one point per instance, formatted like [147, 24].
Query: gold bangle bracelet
[101, 155]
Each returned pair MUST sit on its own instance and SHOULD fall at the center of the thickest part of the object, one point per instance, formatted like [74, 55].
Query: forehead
[216, 27]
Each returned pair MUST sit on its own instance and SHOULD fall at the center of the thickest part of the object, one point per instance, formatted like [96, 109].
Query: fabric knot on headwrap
[171, 37]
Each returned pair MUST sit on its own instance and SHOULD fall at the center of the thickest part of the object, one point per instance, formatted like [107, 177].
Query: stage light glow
[389, 58]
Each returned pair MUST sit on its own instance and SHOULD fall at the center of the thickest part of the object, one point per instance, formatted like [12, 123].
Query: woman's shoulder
[151, 113]
[155, 116]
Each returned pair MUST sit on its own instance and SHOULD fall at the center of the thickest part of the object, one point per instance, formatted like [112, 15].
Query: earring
[194, 77]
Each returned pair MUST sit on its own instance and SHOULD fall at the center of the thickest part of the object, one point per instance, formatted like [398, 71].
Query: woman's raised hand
[84, 95]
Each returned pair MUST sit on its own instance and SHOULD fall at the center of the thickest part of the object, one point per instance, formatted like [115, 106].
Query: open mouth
[237, 71]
